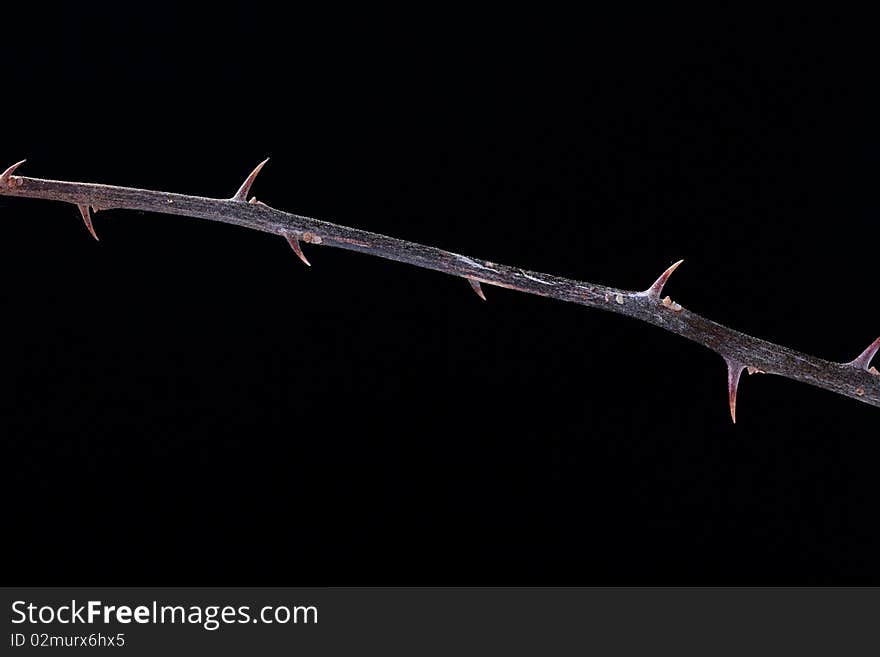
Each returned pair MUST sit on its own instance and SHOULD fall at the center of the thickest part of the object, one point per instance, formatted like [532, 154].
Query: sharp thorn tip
[294, 244]
[87, 220]
[4, 177]
[241, 194]
[864, 359]
[475, 284]
[657, 288]
[734, 370]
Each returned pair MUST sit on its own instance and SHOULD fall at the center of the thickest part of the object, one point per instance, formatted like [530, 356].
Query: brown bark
[855, 379]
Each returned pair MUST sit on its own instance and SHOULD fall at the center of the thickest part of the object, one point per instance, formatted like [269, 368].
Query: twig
[739, 351]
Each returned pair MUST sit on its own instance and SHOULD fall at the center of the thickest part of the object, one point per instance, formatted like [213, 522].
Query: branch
[740, 352]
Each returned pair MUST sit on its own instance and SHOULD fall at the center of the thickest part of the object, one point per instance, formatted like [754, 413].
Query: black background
[185, 403]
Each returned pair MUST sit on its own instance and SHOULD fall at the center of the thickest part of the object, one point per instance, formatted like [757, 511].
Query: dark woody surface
[741, 352]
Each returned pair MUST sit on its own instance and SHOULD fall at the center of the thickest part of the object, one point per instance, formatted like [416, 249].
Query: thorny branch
[740, 351]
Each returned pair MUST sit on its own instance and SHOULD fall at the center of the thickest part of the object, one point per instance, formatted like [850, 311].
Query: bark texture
[855, 379]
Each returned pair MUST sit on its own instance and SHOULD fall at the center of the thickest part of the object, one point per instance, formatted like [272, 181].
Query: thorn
[734, 370]
[4, 177]
[254, 201]
[865, 357]
[87, 219]
[476, 285]
[655, 290]
[294, 244]
[241, 194]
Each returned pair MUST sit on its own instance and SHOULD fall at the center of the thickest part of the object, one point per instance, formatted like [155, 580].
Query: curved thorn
[294, 244]
[864, 359]
[241, 194]
[734, 370]
[476, 285]
[87, 219]
[4, 177]
[657, 288]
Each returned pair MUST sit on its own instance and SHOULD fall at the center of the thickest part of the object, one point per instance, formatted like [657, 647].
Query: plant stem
[740, 351]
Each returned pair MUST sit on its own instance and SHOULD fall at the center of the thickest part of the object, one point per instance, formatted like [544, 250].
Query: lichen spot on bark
[669, 303]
